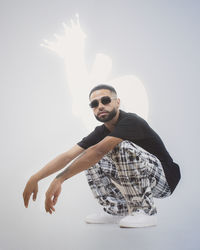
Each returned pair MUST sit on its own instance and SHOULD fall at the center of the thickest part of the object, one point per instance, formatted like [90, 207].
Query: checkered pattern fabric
[127, 179]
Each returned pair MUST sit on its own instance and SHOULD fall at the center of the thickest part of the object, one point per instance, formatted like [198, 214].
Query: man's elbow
[99, 152]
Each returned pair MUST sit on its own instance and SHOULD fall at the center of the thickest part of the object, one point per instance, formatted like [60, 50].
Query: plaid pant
[126, 179]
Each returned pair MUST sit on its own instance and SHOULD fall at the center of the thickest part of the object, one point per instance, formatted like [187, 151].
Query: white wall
[158, 41]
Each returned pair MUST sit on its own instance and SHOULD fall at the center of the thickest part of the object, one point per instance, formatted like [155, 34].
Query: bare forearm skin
[90, 157]
[53, 166]
[58, 163]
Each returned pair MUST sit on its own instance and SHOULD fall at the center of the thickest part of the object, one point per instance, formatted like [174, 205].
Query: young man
[126, 165]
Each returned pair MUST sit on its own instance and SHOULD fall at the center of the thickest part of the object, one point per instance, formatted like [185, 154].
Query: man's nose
[101, 106]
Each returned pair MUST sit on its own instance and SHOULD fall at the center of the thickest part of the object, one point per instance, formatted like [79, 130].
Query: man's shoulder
[99, 128]
[129, 116]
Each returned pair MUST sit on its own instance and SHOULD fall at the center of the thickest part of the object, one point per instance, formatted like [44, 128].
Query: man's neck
[111, 124]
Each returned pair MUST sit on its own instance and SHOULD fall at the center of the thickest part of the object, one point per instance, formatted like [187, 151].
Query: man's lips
[103, 113]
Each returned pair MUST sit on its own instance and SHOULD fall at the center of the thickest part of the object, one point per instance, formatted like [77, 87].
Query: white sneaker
[138, 219]
[103, 219]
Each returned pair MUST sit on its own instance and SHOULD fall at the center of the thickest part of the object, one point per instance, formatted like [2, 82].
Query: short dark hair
[103, 86]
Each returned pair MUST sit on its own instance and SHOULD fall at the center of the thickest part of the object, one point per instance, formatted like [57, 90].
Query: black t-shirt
[133, 128]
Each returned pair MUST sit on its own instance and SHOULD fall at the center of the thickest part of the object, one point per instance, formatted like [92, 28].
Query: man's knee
[125, 147]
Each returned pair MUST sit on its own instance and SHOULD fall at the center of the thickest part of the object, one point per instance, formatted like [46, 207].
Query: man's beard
[108, 116]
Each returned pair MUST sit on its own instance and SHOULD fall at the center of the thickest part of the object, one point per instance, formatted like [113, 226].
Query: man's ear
[118, 102]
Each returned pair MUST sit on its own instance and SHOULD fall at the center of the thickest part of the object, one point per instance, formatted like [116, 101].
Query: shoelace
[138, 211]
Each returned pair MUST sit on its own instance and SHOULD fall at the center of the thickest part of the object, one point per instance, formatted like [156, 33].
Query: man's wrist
[60, 178]
[35, 177]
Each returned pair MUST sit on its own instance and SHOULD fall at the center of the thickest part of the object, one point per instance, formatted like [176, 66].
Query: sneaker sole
[137, 225]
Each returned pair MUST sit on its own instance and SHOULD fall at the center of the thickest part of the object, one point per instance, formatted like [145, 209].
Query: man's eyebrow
[100, 97]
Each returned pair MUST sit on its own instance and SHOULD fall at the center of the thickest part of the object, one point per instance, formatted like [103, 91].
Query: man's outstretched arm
[53, 166]
[90, 157]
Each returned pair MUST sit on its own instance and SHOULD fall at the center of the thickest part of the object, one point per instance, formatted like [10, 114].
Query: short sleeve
[93, 138]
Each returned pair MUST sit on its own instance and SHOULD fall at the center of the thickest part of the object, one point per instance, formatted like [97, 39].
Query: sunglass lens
[105, 100]
[94, 104]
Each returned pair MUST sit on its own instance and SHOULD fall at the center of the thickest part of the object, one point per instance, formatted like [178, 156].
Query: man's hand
[52, 195]
[30, 188]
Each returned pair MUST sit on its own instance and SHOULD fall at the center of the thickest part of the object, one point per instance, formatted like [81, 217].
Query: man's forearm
[59, 162]
[85, 161]
[53, 166]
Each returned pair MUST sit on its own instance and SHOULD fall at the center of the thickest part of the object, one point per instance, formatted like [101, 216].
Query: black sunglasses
[104, 100]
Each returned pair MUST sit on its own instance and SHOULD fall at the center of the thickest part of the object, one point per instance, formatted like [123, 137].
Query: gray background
[156, 40]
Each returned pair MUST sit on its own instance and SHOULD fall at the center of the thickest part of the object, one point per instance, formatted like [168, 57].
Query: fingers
[30, 188]
[49, 202]
[26, 197]
[49, 205]
[35, 195]
[52, 195]
[55, 198]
